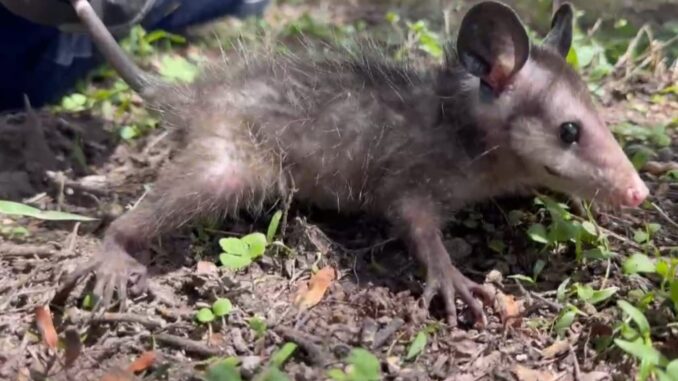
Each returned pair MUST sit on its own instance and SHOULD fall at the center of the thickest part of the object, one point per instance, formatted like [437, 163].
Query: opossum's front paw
[448, 281]
[114, 270]
[114, 273]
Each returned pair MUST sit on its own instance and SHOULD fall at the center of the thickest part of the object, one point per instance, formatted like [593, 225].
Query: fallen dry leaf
[43, 319]
[311, 295]
[523, 373]
[73, 347]
[206, 267]
[658, 168]
[118, 374]
[509, 309]
[143, 362]
[555, 349]
[595, 376]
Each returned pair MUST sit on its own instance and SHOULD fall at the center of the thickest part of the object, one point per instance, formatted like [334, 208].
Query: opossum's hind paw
[448, 283]
[113, 271]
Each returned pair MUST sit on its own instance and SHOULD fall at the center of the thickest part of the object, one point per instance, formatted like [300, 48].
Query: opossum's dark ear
[493, 44]
[560, 36]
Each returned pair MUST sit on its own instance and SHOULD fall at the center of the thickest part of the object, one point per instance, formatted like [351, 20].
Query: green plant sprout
[238, 253]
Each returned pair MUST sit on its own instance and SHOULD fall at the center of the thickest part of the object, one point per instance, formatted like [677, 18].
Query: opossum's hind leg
[207, 179]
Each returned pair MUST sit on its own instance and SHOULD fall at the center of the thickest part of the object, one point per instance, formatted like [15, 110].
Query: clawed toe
[448, 286]
[112, 277]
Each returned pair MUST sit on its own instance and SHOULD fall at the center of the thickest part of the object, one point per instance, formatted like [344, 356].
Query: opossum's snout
[636, 193]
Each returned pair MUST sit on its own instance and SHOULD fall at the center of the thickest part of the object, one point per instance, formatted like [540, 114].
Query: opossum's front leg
[421, 230]
[210, 177]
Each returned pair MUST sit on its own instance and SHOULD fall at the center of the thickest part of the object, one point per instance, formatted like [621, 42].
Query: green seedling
[205, 316]
[241, 252]
[281, 356]
[258, 325]
[636, 340]
[361, 366]
[662, 267]
[222, 307]
[417, 346]
[224, 370]
[238, 253]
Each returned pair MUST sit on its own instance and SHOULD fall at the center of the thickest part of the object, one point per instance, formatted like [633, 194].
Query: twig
[115, 317]
[317, 354]
[188, 345]
[8, 249]
[555, 306]
[665, 216]
[612, 234]
[72, 239]
[382, 335]
[575, 364]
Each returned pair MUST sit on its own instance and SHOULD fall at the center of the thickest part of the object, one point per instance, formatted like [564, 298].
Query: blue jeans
[45, 63]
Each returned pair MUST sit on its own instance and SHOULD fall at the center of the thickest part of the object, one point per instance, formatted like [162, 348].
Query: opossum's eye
[569, 132]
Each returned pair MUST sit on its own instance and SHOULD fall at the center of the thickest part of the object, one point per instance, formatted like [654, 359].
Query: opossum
[362, 132]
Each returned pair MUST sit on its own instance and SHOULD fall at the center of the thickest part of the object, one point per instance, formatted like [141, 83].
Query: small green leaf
[222, 307]
[177, 68]
[662, 269]
[562, 289]
[537, 233]
[674, 293]
[640, 350]
[497, 245]
[366, 365]
[640, 158]
[18, 209]
[129, 132]
[258, 325]
[234, 262]
[538, 268]
[589, 228]
[205, 315]
[602, 295]
[636, 315]
[74, 102]
[223, 371]
[88, 302]
[522, 277]
[431, 45]
[672, 370]
[639, 263]
[272, 374]
[234, 246]
[562, 230]
[256, 244]
[564, 322]
[653, 227]
[273, 226]
[280, 357]
[572, 58]
[585, 55]
[641, 236]
[337, 375]
[392, 17]
[584, 292]
[417, 345]
[597, 253]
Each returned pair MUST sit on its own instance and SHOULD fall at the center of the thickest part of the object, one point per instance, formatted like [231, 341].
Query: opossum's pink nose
[637, 193]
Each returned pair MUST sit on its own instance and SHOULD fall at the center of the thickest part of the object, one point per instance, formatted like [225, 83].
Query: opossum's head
[531, 104]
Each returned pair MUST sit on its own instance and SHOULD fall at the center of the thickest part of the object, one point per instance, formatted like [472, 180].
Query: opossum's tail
[143, 83]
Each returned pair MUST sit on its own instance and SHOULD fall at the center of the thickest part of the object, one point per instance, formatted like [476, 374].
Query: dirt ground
[85, 169]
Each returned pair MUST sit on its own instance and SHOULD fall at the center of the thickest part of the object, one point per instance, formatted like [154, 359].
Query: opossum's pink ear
[493, 44]
[560, 36]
